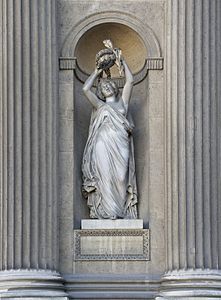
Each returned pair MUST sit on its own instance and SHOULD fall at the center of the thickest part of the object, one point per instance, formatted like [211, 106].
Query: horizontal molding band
[70, 63]
[154, 63]
[103, 286]
[67, 63]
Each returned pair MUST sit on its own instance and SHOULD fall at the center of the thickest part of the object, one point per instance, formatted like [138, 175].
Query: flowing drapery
[109, 182]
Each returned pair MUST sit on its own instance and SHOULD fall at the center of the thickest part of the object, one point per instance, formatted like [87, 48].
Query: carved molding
[150, 64]
[67, 63]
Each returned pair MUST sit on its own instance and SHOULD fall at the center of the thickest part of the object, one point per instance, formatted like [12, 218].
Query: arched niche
[123, 37]
[142, 52]
[146, 33]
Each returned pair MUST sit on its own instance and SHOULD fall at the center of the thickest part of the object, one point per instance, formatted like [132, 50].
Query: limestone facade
[173, 48]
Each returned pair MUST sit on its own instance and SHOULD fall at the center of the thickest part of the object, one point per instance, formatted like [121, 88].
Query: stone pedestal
[108, 243]
[111, 240]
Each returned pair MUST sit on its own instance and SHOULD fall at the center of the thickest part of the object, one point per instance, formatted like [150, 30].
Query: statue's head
[106, 88]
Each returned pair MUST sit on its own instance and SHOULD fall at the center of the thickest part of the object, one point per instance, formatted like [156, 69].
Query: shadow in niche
[87, 47]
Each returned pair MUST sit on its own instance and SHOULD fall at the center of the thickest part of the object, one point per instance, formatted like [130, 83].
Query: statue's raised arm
[127, 90]
[91, 96]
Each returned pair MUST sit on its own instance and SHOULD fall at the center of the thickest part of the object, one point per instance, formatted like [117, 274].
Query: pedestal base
[111, 240]
[191, 284]
[105, 252]
[31, 284]
[112, 224]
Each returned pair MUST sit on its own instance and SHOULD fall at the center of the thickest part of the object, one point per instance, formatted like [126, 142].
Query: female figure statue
[109, 182]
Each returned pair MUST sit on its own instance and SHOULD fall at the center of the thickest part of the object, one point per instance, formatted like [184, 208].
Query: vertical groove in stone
[42, 135]
[18, 134]
[26, 124]
[190, 136]
[4, 137]
[181, 136]
[218, 102]
[213, 134]
[218, 87]
[198, 142]
[10, 134]
[206, 133]
[49, 137]
[175, 214]
[55, 145]
[169, 227]
[1, 132]
[34, 136]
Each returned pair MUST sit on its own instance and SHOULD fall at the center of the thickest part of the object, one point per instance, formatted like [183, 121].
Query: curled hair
[99, 88]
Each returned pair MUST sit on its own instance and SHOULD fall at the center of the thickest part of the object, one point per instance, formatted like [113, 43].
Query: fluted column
[193, 150]
[28, 150]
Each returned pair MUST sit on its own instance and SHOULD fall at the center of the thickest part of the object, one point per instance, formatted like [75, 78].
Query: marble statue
[109, 181]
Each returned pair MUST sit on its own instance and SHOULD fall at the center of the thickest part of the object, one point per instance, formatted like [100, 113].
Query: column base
[31, 284]
[191, 284]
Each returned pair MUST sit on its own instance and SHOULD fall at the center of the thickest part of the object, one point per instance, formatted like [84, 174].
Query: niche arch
[145, 32]
[139, 103]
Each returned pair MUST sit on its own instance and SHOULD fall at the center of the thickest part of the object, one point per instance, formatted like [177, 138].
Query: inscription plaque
[111, 244]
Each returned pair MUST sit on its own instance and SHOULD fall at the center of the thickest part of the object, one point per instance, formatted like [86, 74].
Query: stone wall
[44, 121]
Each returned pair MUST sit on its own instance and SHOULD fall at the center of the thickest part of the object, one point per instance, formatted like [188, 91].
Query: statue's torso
[119, 106]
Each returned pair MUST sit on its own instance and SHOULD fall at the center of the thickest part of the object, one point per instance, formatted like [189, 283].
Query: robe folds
[109, 181]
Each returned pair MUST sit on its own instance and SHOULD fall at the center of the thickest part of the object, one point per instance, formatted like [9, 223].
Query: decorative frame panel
[106, 233]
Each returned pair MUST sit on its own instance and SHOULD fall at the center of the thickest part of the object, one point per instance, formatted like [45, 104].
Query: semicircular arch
[145, 32]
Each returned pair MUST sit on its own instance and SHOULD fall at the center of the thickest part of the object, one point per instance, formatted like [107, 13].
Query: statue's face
[107, 89]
